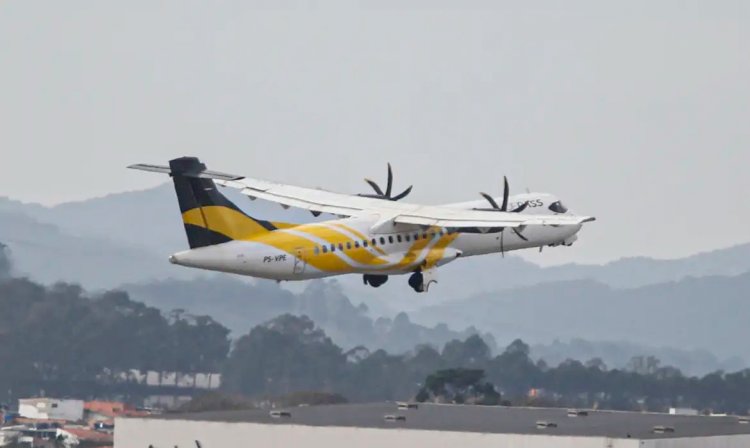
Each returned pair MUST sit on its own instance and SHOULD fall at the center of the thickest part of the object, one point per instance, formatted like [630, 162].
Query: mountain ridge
[148, 222]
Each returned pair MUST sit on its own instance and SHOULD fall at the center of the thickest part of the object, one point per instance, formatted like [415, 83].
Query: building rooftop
[485, 419]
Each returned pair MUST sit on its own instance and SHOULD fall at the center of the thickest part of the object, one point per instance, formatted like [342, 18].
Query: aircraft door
[300, 262]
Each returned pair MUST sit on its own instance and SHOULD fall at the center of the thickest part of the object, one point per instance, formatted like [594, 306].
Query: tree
[380, 376]
[5, 264]
[63, 341]
[458, 386]
[471, 352]
[513, 371]
[284, 355]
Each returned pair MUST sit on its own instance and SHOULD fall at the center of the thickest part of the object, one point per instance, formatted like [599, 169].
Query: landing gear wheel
[416, 281]
[374, 280]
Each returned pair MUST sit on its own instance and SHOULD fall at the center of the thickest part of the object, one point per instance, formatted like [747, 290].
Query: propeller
[379, 194]
[504, 206]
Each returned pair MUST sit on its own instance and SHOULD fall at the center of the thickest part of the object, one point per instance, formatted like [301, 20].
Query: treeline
[290, 354]
[61, 341]
[240, 306]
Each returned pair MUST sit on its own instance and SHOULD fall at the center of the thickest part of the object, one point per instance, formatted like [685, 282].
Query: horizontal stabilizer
[203, 174]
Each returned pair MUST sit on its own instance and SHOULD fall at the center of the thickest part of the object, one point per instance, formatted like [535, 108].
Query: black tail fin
[209, 217]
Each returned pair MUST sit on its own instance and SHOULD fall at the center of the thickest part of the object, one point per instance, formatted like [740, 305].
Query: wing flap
[472, 218]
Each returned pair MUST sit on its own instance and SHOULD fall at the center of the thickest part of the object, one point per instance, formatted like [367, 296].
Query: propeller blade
[506, 193]
[520, 208]
[389, 185]
[491, 200]
[375, 186]
[518, 232]
[403, 194]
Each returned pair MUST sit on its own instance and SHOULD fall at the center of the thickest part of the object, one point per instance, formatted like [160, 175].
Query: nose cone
[173, 259]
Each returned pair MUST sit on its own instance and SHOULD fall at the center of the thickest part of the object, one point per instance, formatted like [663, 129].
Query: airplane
[375, 235]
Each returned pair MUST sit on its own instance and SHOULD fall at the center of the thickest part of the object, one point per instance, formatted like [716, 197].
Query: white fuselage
[345, 246]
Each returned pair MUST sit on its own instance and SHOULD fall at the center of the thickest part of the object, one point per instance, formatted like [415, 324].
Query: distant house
[51, 409]
[106, 411]
[87, 437]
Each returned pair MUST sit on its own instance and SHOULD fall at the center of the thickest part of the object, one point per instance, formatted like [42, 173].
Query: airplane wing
[322, 201]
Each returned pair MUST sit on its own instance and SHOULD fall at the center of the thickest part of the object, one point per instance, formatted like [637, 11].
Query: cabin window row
[382, 241]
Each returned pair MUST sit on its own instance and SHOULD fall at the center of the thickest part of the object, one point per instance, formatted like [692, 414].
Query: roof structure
[89, 435]
[486, 419]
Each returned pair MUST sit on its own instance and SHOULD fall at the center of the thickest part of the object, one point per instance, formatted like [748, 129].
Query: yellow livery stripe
[224, 220]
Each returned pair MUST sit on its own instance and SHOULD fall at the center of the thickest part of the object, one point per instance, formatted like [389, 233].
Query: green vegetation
[62, 341]
[458, 386]
[289, 353]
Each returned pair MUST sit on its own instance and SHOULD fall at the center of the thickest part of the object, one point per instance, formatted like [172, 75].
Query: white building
[436, 426]
[683, 411]
[51, 409]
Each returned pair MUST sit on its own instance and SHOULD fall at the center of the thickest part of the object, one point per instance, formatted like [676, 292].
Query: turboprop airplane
[374, 235]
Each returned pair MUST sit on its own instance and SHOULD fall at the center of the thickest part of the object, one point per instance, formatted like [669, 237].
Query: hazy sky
[638, 113]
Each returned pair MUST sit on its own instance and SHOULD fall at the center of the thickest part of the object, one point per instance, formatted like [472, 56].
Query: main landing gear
[416, 281]
[421, 280]
[374, 280]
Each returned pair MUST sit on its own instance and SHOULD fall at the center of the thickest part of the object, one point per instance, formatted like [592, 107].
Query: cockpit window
[558, 207]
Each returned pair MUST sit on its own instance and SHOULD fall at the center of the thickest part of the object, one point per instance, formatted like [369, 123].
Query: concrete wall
[140, 433]
[735, 441]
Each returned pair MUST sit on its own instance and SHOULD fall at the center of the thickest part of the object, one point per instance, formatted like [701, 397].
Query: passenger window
[408, 237]
[364, 243]
[390, 239]
[356, 244]
[333, 248]
[348, 245]
[416, 236]
[424, 236]
[382, 240]
[316, 251]
[325, 249]
[398, 238]
[374, 243]
[341, 247]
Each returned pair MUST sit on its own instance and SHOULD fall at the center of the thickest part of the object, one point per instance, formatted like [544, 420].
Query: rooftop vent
[543, 424]
[659, 429]
[394, 418]
[404, 405]
[280, 414]
[577, 413]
